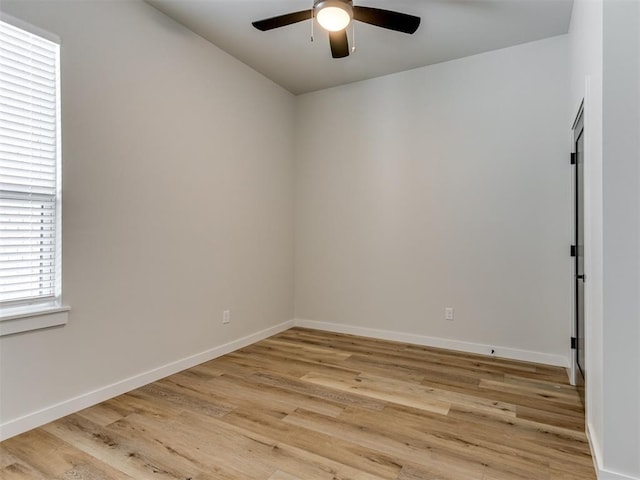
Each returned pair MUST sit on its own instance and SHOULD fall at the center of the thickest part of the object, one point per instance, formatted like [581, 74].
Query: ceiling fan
[336, 15]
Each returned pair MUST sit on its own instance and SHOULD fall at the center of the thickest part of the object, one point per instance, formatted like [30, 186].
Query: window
[30, 245]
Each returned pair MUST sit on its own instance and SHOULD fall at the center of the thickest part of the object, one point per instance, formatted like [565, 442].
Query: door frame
[575, 373]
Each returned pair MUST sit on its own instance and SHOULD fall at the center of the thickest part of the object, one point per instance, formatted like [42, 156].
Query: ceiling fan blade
[283, 20]
[339, 44]
[400, 22]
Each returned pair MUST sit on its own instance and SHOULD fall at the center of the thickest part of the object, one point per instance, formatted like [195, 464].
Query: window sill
[32, 317]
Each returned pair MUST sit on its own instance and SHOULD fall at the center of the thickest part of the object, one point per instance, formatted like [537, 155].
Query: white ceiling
[449, 29]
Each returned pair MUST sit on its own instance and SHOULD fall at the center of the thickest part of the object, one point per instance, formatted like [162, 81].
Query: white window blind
[29, 167]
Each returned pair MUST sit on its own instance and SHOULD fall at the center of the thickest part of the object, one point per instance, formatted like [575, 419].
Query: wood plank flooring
[307, 405]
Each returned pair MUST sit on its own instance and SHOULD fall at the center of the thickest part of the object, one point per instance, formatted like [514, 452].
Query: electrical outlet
[448, 313]
[226, 317]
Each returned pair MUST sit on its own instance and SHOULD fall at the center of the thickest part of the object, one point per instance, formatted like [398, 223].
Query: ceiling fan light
[333, 17]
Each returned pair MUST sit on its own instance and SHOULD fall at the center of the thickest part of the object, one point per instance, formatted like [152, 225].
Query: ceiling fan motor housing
[344, 4]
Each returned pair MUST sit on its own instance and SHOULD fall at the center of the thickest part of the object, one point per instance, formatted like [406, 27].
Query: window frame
[42, 312]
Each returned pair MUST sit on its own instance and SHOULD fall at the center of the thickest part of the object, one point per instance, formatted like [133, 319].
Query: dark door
[578, 138]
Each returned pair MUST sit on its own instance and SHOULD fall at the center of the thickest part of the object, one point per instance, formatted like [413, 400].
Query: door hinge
[573, 251]
[574, 343]
[573, 158]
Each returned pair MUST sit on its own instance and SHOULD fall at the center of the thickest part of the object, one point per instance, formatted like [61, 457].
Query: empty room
[320, 240]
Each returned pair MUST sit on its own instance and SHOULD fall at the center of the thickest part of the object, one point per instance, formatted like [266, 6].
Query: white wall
[178, 194]
[605, 70]
[447, 185]
[585, 54]
[621, 239]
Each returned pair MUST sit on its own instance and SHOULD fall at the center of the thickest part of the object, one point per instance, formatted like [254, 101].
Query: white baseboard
[594, 446]
[49, 414]
[601, 472]
[468, 347]
[604, 474]
[609, 475]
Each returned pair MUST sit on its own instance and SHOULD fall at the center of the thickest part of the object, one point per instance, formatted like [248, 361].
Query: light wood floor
[312, 405]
